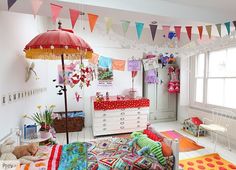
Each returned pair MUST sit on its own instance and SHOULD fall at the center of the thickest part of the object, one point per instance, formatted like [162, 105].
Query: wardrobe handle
[138, 117]
[138, 125]
[104, 120]
[122, 127]
[104, 114]
[122, 118]
[104, 128]
[122, 123]
[139, 113]
[122, 113]
[138, 121]
[104, 124]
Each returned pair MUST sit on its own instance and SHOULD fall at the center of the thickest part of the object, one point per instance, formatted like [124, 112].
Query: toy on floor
[191, 125]
[154, 147]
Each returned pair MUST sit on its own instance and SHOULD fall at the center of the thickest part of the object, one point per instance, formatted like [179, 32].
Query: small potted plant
[44, 119]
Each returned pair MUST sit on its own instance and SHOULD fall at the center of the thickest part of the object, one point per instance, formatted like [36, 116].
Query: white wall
[16, 31]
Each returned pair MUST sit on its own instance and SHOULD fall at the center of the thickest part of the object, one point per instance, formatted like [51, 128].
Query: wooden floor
[87, 135]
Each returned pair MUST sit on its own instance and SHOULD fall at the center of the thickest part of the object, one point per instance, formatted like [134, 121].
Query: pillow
[152, 135]
[166, 149]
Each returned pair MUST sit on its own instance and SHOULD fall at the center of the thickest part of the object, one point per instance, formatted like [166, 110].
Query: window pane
[230, 62]
[199, 90]
[215, 91]
[217, 65]
[230, 93]
[200, 65]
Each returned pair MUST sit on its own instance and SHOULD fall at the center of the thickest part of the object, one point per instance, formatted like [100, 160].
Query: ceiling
[165, 12]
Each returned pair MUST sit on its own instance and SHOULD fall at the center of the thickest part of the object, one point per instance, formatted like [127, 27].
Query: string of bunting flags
[92, 19]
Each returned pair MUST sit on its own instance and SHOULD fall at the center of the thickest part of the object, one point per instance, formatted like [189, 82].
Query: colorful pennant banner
[166, 30]
[189, 32]
[125, 26]
[209, 28]
[10, 3]
[74, 15]
[92, 18]
[139, 28]
[200, 30]
[178, 31]
[153, 29]
[55, 10]
[36, 4]
[227, 25]
[118, 65]
[218, 26]
[108, 22]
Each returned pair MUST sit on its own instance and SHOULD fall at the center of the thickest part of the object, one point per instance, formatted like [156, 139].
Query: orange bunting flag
[74, 15]
[208, 28]
[94, 59]
[92, 21]
[178, 31]
[200, 30]
[55, 9]
[189, 32]
[118, 64]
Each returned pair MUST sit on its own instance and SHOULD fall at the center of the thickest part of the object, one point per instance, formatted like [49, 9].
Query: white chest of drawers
[115, 121]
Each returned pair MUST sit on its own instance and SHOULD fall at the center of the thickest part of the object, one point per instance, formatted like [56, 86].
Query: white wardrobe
[162, 104]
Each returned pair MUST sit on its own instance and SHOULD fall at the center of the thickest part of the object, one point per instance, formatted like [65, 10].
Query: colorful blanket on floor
[185, 144]
[211, 162]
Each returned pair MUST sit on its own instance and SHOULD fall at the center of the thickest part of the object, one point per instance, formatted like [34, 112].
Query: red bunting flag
[74, 15]
[92, 21]
[55, 9]
[178, 31]
[36, 4]
[200, 30]
[189, 32]
[166, 30]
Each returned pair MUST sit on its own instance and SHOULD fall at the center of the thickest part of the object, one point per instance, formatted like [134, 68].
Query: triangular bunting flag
[189, 32]
[55, 9]
[218, 26]
[10, 3]
[234, 22]
[166, 30]
[92, 21]
[108, 22]
[208, 28]
[178, 31]
[36, 4]
[200, 30]
[125, 26]
[227, 25]
[153, 29]
[139, 28]
[74, 15]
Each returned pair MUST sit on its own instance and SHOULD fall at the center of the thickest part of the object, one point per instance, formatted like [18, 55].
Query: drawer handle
[104, 114]
[138, 117]
[104, 124]
[138, 125]
[138, 121]
[122, 123]
[104, 120]
[139, 113]
[104, 128]
[122, 118]
[122, 127]
[122, 113]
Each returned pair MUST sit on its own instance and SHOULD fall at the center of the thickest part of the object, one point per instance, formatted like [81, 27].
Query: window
[215, 78]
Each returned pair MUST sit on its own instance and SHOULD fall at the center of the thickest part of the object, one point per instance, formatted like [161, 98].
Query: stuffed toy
[25, 150]
[6, 150]
[154, 147]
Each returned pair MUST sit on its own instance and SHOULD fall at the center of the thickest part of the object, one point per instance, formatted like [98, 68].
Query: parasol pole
[65, 96]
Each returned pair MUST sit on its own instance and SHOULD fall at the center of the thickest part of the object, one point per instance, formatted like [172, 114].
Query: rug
[207, 162]
[185, 144]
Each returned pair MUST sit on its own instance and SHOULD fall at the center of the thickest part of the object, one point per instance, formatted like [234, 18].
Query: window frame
[193, 82]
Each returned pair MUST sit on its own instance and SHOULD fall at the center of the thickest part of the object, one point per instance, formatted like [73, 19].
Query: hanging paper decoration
[200, 30]
[10, 3]
[189, 32]
[55, 10]
[218, 26]
[125, 26]
[105, 73]
[74, 15]
[77, 97]
[234, 22]
[36, 4]
[139, 28]
[134, 65]
[227, 25]
[174, 83]
[92, 18]
[108, 22]
[151, 76]
[94, 59]
[153, 28]
[178, 31]
[118, 65]
[166, 30]
[150, 63]
[208, 28]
